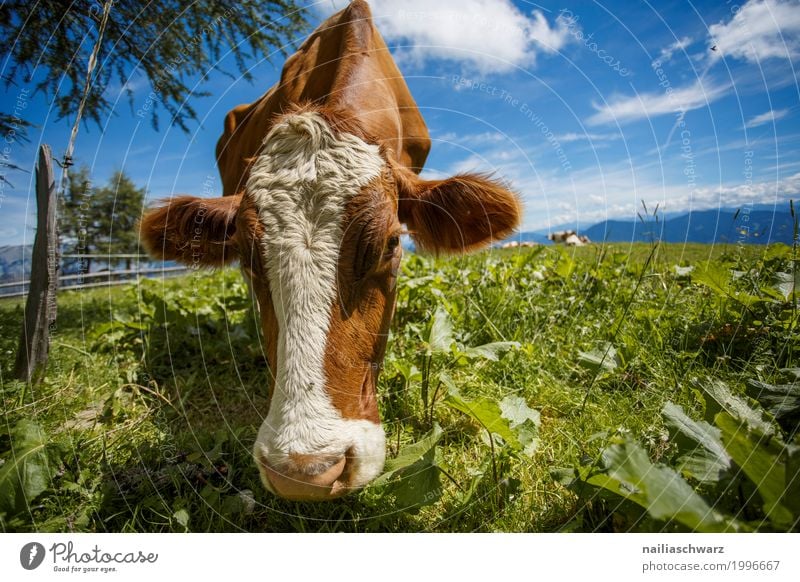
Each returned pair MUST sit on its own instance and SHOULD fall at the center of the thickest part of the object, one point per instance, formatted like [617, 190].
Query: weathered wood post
[40, 308]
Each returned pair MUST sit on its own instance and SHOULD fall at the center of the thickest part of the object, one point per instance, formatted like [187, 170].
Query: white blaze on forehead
[301, 183]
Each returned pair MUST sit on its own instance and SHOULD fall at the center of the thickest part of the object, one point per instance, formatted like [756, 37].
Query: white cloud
[760, 30]
[496, 160]
[679, 45]
[769, 116]
[621, 192]
[623, 109]
[470, 139]
[485, 35]
[571, 137]
[612, 189]
[550, 39]
[134, 83]
[757, 193]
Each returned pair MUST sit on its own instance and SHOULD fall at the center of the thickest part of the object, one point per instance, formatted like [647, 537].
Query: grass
[153, 395]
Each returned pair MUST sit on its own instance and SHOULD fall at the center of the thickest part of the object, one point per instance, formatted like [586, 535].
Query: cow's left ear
[195, 231]
[456, 215]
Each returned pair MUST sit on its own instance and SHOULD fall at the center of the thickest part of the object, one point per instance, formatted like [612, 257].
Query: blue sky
[585, 108]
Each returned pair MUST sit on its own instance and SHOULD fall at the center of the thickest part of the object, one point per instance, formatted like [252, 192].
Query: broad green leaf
[702, 455]
[487, 413]
[523, 420]
[658, 489]
[761, 458]
[413, 476]
[781, 400]
[600, 486]
[786, 283]
[182, 518]
[408, 370]
[517, 411]
[721, 398]
[718, 278]
[602, 357]
[26, 472]
[418, 484]
[511, 419]
[491, 351]
[441, 334]
[410, 454]
[715, 276]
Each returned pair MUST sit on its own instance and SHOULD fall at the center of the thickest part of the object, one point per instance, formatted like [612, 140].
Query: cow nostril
[301, 482]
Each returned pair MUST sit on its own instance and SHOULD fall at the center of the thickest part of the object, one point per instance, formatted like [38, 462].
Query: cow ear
[456, 215]
[194, 231]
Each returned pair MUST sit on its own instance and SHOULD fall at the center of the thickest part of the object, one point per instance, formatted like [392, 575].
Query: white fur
[301, 183]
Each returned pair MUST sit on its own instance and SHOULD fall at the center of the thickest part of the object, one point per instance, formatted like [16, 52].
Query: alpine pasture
[645, 387]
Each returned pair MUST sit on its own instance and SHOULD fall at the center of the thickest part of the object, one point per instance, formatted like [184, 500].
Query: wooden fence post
[40, 308]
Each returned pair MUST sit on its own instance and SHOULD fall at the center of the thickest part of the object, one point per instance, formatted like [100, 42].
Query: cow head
[317, 230]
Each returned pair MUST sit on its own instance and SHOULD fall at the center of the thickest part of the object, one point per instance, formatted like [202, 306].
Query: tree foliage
[172, 44]
[100, 220]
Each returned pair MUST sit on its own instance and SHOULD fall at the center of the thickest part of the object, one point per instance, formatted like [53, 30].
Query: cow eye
[392, 244]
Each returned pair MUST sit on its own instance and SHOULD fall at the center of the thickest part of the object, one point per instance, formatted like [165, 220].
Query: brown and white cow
[319, 176]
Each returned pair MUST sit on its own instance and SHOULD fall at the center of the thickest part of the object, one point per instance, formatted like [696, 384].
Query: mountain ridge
[759, 225]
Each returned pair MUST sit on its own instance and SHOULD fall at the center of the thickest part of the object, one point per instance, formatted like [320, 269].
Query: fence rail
[128, 276]
[96, 256]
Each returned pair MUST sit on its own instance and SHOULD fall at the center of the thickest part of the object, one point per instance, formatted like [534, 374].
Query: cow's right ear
[458, 214]
[194, 231]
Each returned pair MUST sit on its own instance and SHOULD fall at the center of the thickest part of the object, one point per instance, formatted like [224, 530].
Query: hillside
[706, 226]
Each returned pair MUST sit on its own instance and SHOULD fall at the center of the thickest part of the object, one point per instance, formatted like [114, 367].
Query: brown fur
[195, 231]
[456, 215]
[343, 65]
[366, 289]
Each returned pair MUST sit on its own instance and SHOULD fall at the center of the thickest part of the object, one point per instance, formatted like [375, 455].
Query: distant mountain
[539, 237]
[761, 225]
[704, 226]
[15, 262]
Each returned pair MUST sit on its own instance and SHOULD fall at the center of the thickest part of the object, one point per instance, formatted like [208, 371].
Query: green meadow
[606, 388]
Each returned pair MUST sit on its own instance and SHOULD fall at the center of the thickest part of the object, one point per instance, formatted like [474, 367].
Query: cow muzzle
[319, 477]
[306, 477]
